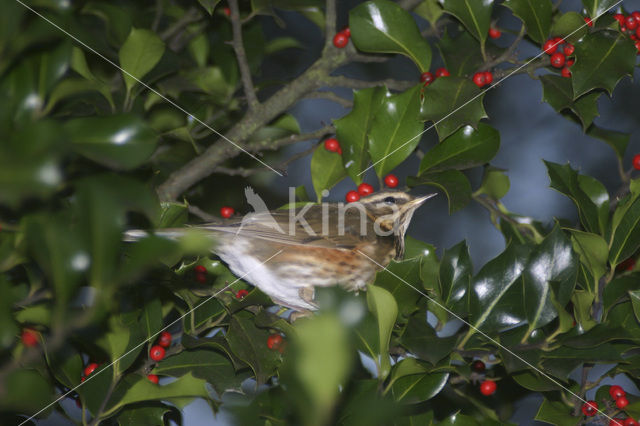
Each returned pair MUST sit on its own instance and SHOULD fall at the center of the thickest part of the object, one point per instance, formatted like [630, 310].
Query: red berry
[339, 150]
[227, 11]
[631, 23]
[165, 339]
[478, 366]
[616, 422]
[590, 408]
[346, 31]
[630, 422]
[426, 78]
[153, 378]
[391, 181]
[588, 21]
[558, 60]
[570, 62]
[488, 387]
[241, 294]
[340, 40]
[488, 77]
[274, 341]
[616, 391]
[479, 79]
[566, 72]
[156, 353]
[550, 46]
[636, 14]
[200, 269]
[226, 212]
[442, 72]
[29, 337]
[352, 196]
[622, 402]
[365, 189]
[494, 33]
[636, 161]
[620, 18]
[332, 145]
[569, 49]
[90, 368]
[201, 278]
[637, 44]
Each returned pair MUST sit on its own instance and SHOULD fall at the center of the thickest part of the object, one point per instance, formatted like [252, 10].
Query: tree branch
[329, 24]
[241, 55]
[506, 54]
[197, 211]
[342, 81]
[203, 165]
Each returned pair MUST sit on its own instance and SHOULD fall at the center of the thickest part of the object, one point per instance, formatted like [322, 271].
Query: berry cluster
[427, 78]
[630, 25]
[341, 39]
[365, 189]
[482, 78]
[590, 408]
[561, 54]
[487, 387]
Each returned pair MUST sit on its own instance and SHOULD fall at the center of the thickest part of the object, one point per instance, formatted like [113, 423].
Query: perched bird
[317, 245]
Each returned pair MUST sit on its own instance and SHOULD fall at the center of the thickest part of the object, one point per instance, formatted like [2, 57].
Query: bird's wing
[278, 226]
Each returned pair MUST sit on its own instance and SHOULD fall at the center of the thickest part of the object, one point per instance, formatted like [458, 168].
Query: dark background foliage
[87, 152]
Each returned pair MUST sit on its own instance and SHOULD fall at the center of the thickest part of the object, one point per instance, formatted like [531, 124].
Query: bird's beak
[417, 202]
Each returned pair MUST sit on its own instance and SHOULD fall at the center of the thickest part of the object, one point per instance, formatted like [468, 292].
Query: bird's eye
[390, 200]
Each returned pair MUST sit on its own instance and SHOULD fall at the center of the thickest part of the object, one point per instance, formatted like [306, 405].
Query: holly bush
[119, 115]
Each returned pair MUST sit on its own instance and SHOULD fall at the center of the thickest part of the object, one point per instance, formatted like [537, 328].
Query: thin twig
[331, 97]
[506, 55]
[192, 15]
[197, 211]
[241, 55]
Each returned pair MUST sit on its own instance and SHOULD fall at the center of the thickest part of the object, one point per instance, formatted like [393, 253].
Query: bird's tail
[138, 234]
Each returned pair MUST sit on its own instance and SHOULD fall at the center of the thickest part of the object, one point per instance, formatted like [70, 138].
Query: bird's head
[393, 210]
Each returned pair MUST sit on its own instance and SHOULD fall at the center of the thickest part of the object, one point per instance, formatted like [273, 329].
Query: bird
[287, 253]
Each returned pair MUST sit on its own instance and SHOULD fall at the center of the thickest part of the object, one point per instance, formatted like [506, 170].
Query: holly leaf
[326, 170]
[381, 26]
[395, 131]
[249, 343]
[451, 103]
[385, 309]
[616, 140]
[494, 300]
[209, 365]
[461, 55]
[625, 226]
[596, 8]
[352, 130]
[558, 92]
[556, 413]
[139, 54]
[570, 26]
[495, 183]
[474, 15]
[602, 59]
[466, 148]
[454, 184]
[431, 10]
[454, 277]
[552, 261]
[394, 278]
[593, 251]
[588, 194]
[536, 15]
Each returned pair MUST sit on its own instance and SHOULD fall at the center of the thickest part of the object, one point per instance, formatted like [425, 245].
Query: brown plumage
[287, 257]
